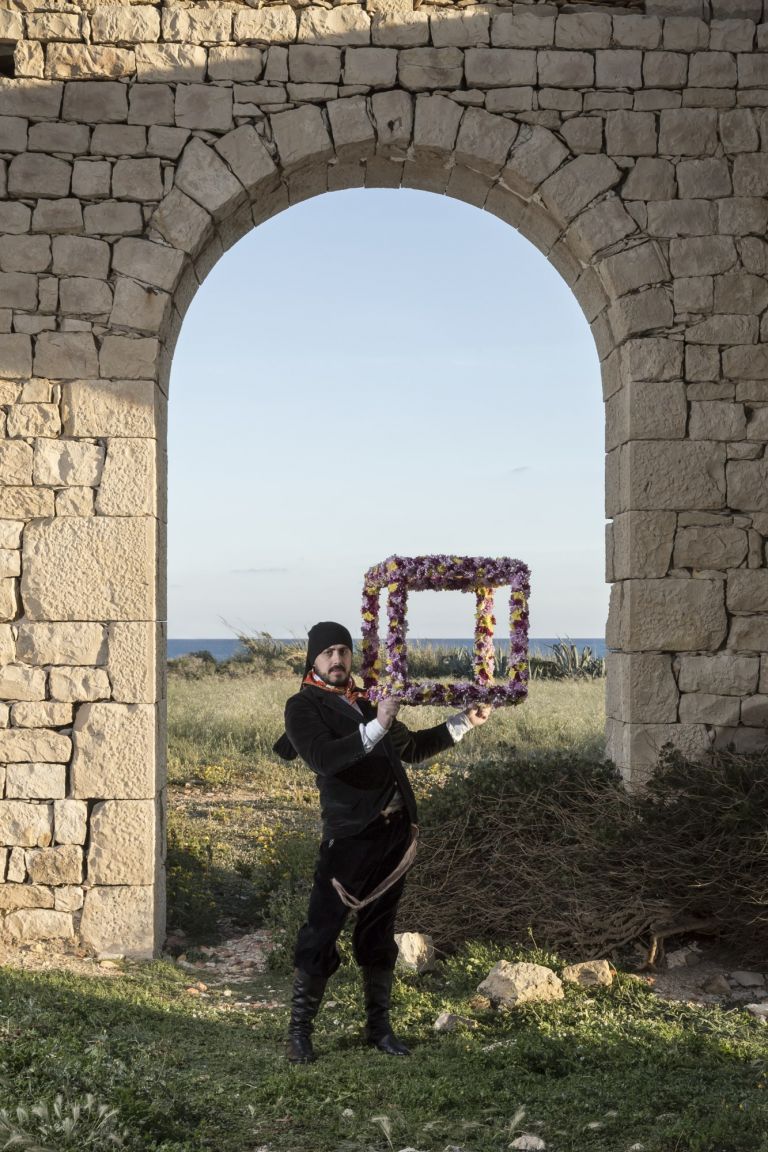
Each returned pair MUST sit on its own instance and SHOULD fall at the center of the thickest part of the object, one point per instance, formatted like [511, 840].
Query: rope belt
[407, 862]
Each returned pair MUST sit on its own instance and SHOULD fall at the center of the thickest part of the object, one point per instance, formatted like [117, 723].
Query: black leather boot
[377, 983]
[305, 1002]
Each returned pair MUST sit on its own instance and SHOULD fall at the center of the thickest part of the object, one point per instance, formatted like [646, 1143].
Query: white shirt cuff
[458, 726]
[371, 733]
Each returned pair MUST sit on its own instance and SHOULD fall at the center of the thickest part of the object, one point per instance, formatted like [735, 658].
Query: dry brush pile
[557, 849]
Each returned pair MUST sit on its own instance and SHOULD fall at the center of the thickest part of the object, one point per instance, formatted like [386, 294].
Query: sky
[379, 372]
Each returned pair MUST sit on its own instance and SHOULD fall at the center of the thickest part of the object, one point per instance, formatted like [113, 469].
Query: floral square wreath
[401, 574]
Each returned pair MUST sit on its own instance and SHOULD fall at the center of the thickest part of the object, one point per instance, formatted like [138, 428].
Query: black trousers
[359, 863]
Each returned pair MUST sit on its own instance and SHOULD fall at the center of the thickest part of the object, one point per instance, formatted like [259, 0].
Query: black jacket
[355, 785]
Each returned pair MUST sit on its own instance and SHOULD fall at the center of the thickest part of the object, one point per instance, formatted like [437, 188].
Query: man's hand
[386, 711]
[477, 714]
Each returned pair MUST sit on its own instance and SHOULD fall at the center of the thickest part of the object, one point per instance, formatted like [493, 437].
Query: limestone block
[708, 178]
[167, 63]
[74, 502]
[76, 61]
[583, 30]
[20, 682]
[345, 24]
[151, 104]
[747, 485]
[10, 537]
[41, 714]
[675, 475]
[698, 256]
[119, 920]
[533, 158]
[618, 68]
[563, 69]
[37, 924]
[631, 133]
[58, 138]
[484, 140]
[671, 615]
[374, 67]
[138, 307]
[128, 485]
[275, 24]
[77, 684]
[182, 222]
[747, 591]
[710, 547]
[122, 842]
[25, 253]
[137, 180]
[116, 24]
[243, 64]
[415, 951]
[65, 355]
[10, 562]
[701, 708]
[14, 218]
[128, 357]
[40, 99]
[84, 296]
[151, 263]
[499, 67]
[78, 643]
[33, 420]
[351, 127]
[133, 663]
[748, 362]
[688, 131]
[640, 688]
[749, 633]
[649, 179]
[95, 102]
[569, 190]
[15, 357]
[80, 256]
[738, 131]
[641, 312]
[522, 30]
[422, 69]
[15, 463]
[397, 24]
[25, 825]
[309, 64]
[15, 896]
[119, 140]
[198, 25]
[436, 124]
[31, 174]
[60, 462]
[741, 292]
[204, 106]
[7, 645]
[114, 752]
[35, 782]
[204, 176]
[652, 358]
[70, 821]
[717, 420]
[23, 504]
[109, 408]
[393, 117]
[301, 137]
[248, 158]
[722, 674]
[754, 713]
[11, 26]
[91, 566]
[602, 226]
[68, 898]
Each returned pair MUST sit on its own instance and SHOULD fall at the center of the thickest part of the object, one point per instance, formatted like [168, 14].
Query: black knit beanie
[325, 635]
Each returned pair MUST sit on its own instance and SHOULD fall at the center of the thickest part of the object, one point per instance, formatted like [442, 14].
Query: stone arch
[138, 143]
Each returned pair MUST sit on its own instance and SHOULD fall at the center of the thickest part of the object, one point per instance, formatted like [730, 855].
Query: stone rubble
[138, 143]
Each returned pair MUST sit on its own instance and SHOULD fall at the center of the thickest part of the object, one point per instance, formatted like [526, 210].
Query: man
[369, 829]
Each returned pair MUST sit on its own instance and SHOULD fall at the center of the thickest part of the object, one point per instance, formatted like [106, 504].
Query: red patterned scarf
[350, 689]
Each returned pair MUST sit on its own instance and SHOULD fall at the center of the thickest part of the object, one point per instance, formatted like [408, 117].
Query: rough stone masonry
[139, 141]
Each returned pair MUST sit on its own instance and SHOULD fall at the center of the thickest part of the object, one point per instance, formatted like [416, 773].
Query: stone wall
[139, 141]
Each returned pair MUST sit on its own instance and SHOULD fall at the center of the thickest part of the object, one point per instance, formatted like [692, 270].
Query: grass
[603, 1070]
[598, 1072]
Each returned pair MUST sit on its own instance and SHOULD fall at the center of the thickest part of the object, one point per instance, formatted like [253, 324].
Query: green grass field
[604, 1070]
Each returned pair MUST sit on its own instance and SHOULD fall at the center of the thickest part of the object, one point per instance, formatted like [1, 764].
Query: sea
[223, 647]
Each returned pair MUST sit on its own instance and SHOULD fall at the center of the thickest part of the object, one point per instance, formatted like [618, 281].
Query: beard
[336, 678]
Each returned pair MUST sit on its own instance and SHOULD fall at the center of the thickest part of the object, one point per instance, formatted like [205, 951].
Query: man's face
[334, 665]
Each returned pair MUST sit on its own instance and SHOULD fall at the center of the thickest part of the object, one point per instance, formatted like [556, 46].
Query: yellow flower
[368, 616]
[392, 587]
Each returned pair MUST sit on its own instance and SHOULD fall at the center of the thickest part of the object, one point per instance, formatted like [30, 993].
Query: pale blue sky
[378, 372]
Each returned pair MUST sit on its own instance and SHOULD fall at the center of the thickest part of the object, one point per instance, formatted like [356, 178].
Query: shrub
[556, 848]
